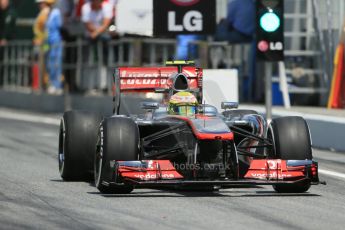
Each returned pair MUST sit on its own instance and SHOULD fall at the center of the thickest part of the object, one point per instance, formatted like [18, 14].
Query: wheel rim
[98, 162]
[61, 155]
[270, 135]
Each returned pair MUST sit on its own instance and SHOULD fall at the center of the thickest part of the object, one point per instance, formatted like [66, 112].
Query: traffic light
[270, 30]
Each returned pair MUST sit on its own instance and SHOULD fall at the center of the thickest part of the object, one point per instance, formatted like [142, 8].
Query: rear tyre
[291, 141]
[118, 140]
[77, 142]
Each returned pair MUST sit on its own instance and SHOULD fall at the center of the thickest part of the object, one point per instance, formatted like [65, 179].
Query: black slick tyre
[118, 140]
[77, 144]
[291, 141]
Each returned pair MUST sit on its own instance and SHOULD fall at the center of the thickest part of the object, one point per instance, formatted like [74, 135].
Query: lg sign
[184, 16]
[185, 2]
[264, 46]
[192, 21]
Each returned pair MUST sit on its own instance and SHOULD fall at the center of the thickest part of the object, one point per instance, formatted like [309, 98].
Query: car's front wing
[150, 173]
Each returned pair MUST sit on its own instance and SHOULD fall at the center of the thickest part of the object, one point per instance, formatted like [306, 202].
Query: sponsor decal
[143, 81]
[125, 74]
[192, 21]
[185, 2]
[152, 82]
[102, 136]
[273, 164]
[264, 46]
[150, 164]
[272, 175]
[276, 46]
[151, 176]
[184, 16]
[149, 170]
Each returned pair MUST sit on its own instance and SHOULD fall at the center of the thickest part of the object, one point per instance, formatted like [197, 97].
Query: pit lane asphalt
[33, 196]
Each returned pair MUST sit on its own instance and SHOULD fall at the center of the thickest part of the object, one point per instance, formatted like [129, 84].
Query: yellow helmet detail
[182, 103]
[51, 2]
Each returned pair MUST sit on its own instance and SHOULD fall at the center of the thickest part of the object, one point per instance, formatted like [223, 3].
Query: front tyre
[291, 141]
[118, 140]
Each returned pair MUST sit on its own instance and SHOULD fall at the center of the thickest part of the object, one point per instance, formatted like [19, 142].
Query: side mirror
[229, 105]
[149, 105]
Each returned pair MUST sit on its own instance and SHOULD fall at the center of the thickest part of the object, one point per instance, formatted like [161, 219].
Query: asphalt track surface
[33, 196]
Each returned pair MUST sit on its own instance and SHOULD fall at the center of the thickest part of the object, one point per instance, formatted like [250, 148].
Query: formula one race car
[178, 141]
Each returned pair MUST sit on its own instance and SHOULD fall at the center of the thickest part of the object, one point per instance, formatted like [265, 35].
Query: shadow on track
[172, 193]
[246, 191]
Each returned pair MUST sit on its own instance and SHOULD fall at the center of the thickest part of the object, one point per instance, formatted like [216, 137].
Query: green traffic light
[269, 22]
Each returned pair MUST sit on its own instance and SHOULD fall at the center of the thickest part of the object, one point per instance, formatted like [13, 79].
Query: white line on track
[331, 173]
[309, 116]
[28, 117]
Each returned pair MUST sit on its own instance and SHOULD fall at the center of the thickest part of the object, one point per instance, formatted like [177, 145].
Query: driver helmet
[182, 103]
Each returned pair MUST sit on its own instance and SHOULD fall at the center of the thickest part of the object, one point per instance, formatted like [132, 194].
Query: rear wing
[151, 78]
[138, 80]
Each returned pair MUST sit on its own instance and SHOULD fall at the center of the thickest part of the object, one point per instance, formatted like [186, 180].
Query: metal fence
[90, 65]
[17, 65]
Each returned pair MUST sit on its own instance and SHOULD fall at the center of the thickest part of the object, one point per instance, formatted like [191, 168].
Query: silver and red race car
[154, 148]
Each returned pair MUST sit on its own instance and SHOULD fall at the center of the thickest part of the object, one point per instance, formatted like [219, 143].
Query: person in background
[67, 9]
[185, 49]
[239, 25]
[79, 4]
[8, 16]
[72, 30]
[39, 28]
[97, 16]
[53, 41]
[40, 35]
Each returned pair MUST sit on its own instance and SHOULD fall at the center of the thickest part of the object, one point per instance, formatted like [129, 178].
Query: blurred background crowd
[73, 45]
[56, 22]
